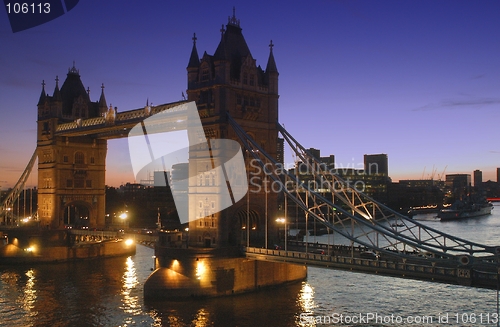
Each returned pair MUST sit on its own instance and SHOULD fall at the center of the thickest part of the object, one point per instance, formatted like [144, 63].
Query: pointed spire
[220, 52]
[57, 93]
[271, 63]
[102, 101]
[222, 30]
[43, 94]
[194, 60]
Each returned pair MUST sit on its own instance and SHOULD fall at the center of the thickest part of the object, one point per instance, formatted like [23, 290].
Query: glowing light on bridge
[200, 269]
[30, 249]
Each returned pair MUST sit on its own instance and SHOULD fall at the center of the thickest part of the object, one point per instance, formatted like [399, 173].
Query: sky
[417, 80]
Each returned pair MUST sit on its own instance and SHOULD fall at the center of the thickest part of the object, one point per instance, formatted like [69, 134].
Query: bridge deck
[419, 268]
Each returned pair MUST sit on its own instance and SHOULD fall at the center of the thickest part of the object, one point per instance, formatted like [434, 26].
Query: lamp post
[283, 221]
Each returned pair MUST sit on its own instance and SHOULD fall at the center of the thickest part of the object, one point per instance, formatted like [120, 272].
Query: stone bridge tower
[229, 81]
[71, 170]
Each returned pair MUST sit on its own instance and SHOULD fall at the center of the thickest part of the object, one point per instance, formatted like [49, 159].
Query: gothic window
[79, 158]
[205, 74]
[213, 180]
[65, 159]
[207, 180]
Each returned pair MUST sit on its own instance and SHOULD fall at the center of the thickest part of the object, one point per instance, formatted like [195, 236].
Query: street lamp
[283, 221]
[123, 216]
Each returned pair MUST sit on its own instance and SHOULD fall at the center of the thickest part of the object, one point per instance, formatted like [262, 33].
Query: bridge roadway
[83, 235]
[479, 274]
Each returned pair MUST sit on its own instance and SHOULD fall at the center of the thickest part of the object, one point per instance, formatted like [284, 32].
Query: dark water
[109, 293]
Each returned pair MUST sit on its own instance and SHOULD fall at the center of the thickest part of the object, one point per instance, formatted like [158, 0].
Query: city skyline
[417, 81]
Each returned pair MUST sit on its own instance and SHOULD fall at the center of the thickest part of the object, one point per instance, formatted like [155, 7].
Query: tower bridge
[237, 100]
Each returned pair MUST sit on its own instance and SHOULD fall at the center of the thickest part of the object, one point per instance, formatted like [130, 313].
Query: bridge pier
[196, 272]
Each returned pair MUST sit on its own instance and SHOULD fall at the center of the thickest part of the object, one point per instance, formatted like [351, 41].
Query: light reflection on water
[110, 293]
[130, 301]
[29, 297]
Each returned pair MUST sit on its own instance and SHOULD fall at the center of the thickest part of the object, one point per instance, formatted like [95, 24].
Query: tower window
[205, 75]
[79, 158]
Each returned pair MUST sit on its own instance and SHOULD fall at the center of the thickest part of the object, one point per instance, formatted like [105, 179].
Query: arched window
[79, 158]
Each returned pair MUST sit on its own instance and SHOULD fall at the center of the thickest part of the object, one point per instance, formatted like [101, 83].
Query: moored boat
[466, 209]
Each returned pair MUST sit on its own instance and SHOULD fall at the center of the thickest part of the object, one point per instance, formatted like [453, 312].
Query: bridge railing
[424, 270]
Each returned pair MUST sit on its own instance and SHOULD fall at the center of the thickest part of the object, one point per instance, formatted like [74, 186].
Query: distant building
[315, 152]
[376, 175]
[373, 180]
[478, 178]
[409, 183]
[457, 182]
[376, 164]
[415, 193]
[328, 161]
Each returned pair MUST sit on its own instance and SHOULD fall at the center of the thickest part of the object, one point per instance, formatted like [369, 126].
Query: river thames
[110, 293]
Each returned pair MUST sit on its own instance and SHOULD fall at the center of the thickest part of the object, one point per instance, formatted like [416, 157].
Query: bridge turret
[193, 67]
[103, 107]
[71, 170]
[230, 81]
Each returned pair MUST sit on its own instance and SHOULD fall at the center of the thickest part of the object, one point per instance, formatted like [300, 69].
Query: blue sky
[418, 80]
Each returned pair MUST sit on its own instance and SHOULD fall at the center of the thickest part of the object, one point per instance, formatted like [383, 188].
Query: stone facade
[230, 82]
[71, 170]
